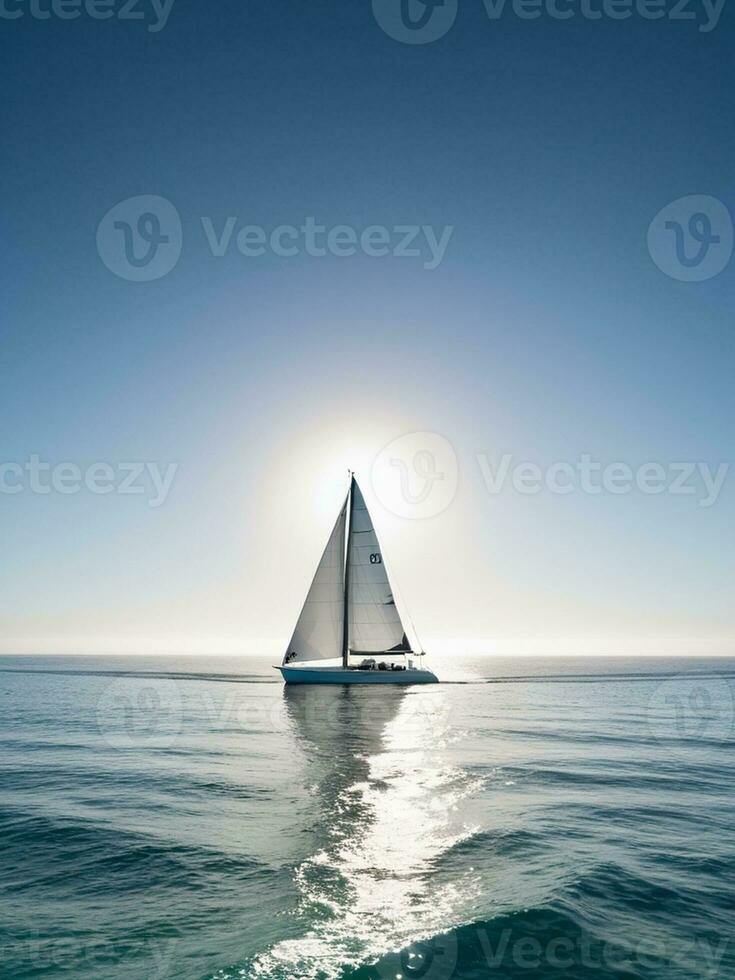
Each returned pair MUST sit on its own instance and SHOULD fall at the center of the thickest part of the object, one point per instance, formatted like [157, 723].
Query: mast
[345, 619]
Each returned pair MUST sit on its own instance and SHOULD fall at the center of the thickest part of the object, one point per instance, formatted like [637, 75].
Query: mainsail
[350, 607]
[318, 633]
[374, 625]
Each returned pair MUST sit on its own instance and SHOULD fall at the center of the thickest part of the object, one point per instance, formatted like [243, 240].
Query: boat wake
[392, 807]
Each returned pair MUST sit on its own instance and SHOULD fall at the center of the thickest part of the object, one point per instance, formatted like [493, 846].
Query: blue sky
[546, 331]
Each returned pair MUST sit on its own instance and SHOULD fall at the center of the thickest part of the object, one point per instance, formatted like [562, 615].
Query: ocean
[191, 819]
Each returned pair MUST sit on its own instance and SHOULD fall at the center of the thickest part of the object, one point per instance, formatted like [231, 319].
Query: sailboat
[350, 614]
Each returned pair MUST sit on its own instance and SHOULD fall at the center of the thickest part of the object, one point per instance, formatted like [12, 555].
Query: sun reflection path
[374, 887]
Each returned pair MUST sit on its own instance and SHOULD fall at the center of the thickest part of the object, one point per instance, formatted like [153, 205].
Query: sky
[250, 245]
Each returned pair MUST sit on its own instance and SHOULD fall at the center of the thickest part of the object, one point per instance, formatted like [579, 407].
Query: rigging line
[346, 577]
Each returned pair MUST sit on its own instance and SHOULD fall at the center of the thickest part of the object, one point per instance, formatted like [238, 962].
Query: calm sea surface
[535, 818]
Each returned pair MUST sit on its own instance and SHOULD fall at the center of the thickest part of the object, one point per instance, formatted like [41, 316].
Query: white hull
[338, 675]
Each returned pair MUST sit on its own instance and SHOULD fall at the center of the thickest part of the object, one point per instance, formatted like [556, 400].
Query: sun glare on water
[389, 803]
